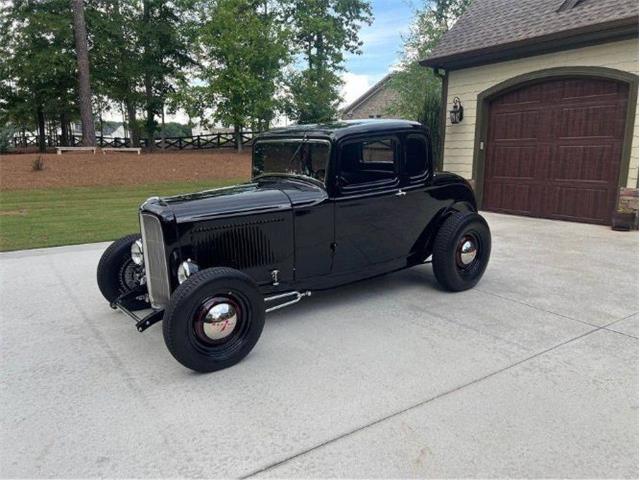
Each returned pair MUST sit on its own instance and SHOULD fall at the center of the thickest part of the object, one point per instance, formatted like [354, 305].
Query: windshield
[308, 158]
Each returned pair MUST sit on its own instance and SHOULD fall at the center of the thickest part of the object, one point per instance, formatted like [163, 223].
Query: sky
[382, 44]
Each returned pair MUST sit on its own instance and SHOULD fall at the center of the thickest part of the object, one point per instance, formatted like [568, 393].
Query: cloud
[354, 86]
[382, 41]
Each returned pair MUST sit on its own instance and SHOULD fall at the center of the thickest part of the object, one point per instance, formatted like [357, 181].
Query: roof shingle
[490, 23]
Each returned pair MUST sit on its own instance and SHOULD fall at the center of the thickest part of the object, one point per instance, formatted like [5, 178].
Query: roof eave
[368, 94]
[563, 40]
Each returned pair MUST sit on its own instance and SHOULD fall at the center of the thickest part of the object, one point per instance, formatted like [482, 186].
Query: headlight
[136, 252]
[186, 269]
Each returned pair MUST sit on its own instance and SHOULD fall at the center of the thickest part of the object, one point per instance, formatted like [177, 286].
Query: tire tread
[187, 289]
[448, 277]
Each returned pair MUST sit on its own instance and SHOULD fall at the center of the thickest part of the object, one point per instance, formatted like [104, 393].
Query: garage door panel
[517, 125]
[522, 97]
[519, 197]
[580, 89]
[577, 203]
[592, 121]
[591, 163]
[554, 149]
[514, 162]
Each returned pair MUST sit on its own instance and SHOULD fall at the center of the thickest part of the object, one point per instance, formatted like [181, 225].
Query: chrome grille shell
[155, 260]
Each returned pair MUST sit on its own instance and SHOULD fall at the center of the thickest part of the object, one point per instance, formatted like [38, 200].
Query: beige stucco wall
[468, 83]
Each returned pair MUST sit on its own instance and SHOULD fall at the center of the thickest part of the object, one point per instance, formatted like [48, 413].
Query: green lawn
[64, 216]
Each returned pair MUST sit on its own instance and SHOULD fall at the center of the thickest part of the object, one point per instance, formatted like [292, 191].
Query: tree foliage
[419, 89]
[232, 62]
[323, 31]
[116, 56]
[164, 33]
[37, 63]
[243, 48]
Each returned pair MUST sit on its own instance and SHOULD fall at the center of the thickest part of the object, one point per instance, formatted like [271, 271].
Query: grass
[66, 216]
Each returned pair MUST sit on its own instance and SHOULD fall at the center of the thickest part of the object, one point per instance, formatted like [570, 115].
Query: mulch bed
[85, 169]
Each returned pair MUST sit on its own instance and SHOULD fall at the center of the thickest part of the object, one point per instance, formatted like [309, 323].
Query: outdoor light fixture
[457, 114]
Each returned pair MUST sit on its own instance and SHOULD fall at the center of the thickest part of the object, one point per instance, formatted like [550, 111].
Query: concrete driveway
[534, 373]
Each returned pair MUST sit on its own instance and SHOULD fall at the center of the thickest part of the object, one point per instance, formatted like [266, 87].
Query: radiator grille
[155, 260]
[239, 246]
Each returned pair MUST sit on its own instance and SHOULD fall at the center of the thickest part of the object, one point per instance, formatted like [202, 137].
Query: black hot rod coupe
[328, 205]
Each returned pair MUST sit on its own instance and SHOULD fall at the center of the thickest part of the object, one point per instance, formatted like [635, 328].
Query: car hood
[263, 196]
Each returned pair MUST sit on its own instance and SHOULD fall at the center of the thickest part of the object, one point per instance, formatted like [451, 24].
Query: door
[554, 149]
[419, 207]
[367, 229]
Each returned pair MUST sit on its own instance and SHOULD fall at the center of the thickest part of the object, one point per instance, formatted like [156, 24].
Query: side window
[415, 156]
[370, 161]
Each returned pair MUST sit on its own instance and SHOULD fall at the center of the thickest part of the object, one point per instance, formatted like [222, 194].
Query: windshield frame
[301, 141]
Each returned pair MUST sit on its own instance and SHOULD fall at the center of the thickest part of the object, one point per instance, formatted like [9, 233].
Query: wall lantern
[457, 114]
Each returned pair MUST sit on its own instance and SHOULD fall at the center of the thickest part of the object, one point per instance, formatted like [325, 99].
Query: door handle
[401, 193]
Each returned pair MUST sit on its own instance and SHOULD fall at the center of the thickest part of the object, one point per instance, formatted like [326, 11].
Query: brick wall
[375, 106]
[628, 199]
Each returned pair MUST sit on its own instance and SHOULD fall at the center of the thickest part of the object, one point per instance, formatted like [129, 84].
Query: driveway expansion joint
[421, 403]
[550, 312]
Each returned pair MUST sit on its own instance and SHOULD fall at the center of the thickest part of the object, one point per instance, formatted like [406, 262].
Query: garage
[542, 107]
[554, 149]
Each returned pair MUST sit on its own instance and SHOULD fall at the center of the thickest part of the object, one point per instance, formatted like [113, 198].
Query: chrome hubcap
[220, 321]
[467, 251]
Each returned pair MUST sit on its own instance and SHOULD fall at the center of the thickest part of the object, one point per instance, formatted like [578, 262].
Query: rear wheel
[214, 319]
[118, 274]
[461, 251]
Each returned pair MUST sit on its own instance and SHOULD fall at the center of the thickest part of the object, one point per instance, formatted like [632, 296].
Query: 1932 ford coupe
[327, 205]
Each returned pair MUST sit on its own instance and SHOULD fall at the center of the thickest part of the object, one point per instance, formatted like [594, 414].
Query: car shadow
[387, 285]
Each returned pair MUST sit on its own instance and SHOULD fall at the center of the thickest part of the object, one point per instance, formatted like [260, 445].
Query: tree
[140, 50]
[323, 31]
[37, 65]
[419, 88]
[84, 77]
[244, 45]
[164, 37]
[116, 56]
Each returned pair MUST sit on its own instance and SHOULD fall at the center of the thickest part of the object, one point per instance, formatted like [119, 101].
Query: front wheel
[461, 251]
[214, 319]
[118, 274]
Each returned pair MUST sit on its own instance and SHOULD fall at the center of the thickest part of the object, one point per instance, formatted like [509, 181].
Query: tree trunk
[237, 132]
[148, 81]
[84, 82]
[149, 123]
[64, 132]
[42, 142]
[134, 134]
[163, 134]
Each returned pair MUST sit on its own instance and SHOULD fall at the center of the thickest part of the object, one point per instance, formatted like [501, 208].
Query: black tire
[117, 272]
[183, 327]
[449, 267]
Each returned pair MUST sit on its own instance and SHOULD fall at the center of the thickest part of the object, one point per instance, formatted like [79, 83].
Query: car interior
[368, 161]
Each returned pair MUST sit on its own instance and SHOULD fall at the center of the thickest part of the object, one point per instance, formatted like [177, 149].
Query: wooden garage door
[554, 149]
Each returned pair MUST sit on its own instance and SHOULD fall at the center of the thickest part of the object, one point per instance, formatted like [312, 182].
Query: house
[549, 91]
[374, 103]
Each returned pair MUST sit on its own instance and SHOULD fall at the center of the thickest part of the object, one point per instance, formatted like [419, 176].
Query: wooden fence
[194, 142]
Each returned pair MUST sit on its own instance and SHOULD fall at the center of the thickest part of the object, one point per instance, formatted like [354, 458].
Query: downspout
[444, 77]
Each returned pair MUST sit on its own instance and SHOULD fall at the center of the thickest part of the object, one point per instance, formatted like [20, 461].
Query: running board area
[294, 297]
